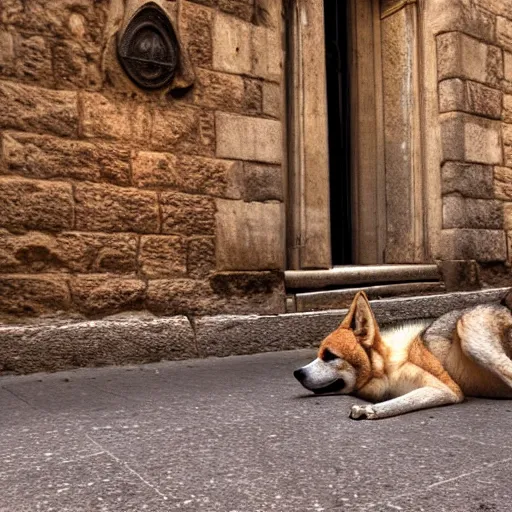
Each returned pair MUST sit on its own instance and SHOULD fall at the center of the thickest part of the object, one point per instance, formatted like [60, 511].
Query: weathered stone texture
[498, 7]
[186, 214]
[266, 54]
[253, 96]
[272, 99]
[243, 9]
[507, 220]
[27, 58]
[67, 252]
[201, 256]
[507, 144]
[483, 245]
[248, 138]
[139, 338]
[31, 204]
[249, 235]
[163, 256]
[32, 296]
[77, 66]
[63, 18]
[191, 174]
[27, 108]
[109, 208]
[101, 295]
[179, 128]
[196, 32]
[108, 119]
[507, 108]
[470, 139]
[460, 212]
[43, 156]
[469, 180]
[221, 91]
[461, 56]
[504, 33]
[262, 183]
[503, 183]
[232, 45]
[508, 66]
[471, 97]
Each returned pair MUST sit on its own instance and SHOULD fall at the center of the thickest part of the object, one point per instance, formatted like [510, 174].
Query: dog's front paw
[362, 412]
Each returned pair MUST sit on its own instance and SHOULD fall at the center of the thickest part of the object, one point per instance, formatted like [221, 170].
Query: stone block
[180, 129]
[507, 144]
[272, 99]
[243, 9]
[196, 32]
[110, 208]
[232, 45]
[507, 57]
[262, 183]
[43, 156]
[76, 66]
[33, 59]
[67, 252]
[34, 109]
[468, 180]
[471, 97]
[201, 256]
[26, 296]
[250, 236]
[499, 7]
[100, 294]
[461, 56]
[509, 246]
[470, 138]
[463, 16]
[507, 219]
[253, 96]
[106, 118]
[7, 56]
[84, 20]
[31, 204]
[503, 183]
[460, 275]
[267, 54]
[460, 212]
[220, 91]
[504, 33]
[192, 174]
[133, 339]
[482, 245]
[507, 108]
[180, 296]
[163, 256]
[185, 214]
[248, 138]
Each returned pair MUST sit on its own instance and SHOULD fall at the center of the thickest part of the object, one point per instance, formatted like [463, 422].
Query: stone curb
[52, 345]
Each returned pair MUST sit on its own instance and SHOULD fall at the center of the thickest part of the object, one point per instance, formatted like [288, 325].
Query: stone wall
[112, 198]
[474, 66]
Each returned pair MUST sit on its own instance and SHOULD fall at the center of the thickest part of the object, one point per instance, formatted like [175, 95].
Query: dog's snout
[299, 374]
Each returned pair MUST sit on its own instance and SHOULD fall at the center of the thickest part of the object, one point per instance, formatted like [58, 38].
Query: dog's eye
[328, 356]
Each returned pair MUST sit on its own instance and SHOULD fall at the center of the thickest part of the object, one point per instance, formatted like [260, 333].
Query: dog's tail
[507, 300]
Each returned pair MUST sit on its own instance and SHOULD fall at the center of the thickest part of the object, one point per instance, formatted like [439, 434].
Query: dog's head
[343, 364]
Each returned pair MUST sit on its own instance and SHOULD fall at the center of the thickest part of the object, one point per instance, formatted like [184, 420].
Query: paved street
[238, 434]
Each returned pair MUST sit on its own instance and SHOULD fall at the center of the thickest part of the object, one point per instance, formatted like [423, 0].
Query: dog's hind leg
[485, 337]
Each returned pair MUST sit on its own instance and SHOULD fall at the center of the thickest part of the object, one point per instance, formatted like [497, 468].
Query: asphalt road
[238, 434]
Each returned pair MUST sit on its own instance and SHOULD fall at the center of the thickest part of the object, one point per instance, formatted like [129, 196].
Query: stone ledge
[53, 344]
[121, 339]
[230, 335]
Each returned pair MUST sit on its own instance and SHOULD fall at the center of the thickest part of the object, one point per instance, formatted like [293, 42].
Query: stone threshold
[133, 338]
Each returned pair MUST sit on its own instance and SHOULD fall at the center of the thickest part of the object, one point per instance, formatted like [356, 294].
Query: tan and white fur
[415, 365]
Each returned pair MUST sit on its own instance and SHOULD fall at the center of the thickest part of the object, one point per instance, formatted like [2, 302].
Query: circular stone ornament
[148, 50]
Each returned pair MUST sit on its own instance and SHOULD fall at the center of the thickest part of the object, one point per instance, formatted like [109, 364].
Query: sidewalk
[238, 434]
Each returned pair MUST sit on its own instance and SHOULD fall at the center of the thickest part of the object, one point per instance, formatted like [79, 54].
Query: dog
[415, 365]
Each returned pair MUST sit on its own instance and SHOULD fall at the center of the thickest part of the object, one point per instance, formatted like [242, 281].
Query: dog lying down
[415, 365]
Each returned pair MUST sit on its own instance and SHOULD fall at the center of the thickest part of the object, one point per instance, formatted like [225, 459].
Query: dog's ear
[361, 320]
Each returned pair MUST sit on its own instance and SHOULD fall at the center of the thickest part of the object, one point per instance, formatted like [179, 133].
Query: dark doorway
[338, 104]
